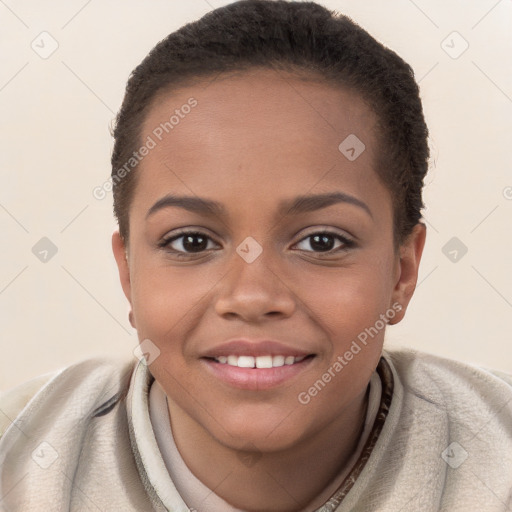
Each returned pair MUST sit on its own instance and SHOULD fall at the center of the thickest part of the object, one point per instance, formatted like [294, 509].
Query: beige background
[55, 114]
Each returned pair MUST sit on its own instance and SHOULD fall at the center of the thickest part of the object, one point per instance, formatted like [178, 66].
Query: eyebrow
[300, 204]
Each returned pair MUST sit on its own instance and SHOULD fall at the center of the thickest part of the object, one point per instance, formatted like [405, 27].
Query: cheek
[349, 303]
[347, 299]
[165, 298]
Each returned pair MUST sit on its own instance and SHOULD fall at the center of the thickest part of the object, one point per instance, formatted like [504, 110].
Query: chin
[259, 431]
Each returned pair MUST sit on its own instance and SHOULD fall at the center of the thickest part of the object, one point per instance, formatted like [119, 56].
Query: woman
[267, 171]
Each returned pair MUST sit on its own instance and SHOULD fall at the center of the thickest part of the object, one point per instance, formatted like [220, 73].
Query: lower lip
[256, 378]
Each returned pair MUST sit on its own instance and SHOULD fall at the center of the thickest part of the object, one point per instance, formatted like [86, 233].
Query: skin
[256, 139]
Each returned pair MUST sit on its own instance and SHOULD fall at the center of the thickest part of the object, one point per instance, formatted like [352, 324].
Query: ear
[407, 269]
[121, 255]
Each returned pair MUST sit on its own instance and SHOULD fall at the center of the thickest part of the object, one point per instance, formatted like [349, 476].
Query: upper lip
[255, 348]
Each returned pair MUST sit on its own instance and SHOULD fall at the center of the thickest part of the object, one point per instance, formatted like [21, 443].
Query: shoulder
[411, 364]
[450, 434]
[458, 386]
[15, 399]
[97, 377]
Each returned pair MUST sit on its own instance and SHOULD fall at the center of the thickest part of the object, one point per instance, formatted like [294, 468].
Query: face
[282, 255]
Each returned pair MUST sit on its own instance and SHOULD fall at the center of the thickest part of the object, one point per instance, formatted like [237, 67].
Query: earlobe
[121, 256]
[131, 319]
[408, 266]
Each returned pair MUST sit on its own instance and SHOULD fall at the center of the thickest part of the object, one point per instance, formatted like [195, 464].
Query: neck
[300, 477]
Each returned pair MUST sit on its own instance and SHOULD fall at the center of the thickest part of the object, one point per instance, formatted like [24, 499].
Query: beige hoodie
[81, 439]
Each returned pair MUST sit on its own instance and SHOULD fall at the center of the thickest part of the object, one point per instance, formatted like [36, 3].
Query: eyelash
[164, 244]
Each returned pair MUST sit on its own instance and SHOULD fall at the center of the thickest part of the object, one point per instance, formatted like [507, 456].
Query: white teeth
[259, 361]
[246, 362]
[278, 361]
[264, 362]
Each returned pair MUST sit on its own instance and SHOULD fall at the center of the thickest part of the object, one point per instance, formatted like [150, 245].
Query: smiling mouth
[265, 361]
[257, 373]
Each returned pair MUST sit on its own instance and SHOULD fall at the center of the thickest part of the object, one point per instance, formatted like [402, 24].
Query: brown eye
[188, 242]
[325, 241]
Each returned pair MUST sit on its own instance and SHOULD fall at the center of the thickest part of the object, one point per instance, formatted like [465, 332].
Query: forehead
[245, 101]
[254, 126]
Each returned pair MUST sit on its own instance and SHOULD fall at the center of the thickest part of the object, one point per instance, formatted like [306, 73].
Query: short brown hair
[295, 36]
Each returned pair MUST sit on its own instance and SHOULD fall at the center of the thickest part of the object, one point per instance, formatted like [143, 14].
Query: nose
[255, 291]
